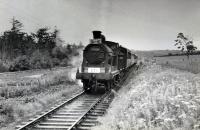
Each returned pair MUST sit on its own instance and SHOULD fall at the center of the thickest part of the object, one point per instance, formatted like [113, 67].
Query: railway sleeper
[90, 120]
[89, 100]
[100, 109]
[103, 105]
[64, 117]
[56, 123]
[98, 112]
[90, 124]
[85, 109]
[68, 113]
[83, 127]
[84, 105]
[60, 120]
[43, 127]
[95, 114]
[72, 111]
[92, 117]
[70, 106]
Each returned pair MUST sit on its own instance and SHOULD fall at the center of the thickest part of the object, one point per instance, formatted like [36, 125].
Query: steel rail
[73, 126]
[30, 124]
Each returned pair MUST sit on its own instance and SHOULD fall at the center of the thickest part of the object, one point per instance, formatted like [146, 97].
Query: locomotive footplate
[99, 76]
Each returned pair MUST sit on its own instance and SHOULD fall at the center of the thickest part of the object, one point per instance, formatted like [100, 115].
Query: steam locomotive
[104, 64]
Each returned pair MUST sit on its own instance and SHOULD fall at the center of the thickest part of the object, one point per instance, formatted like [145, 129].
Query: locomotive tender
[104, 63]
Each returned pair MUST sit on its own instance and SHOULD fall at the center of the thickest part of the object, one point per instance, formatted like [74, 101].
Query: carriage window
[114, 61]
[110, 61]
[135, 57]
[121, 57]
[129, 55]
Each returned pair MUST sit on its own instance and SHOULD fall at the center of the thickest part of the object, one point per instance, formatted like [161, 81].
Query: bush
[65, 62]
[56, 62]
[3, 67]
[170, 54]
[6, 110]
[59, 52]
[38, 60]
[20, 63]
[41, 60]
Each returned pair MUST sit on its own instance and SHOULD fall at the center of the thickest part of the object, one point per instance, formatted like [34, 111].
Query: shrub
[20, 63]
[59, 52]
[41, 60]
[170, 54]
[64, 62]
[55, 62]
[7, 111]
[3, 67]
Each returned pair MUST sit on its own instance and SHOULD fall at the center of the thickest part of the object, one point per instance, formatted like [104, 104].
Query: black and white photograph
[99, 64]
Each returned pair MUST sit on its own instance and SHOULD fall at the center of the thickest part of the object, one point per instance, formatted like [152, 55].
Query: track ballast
[79, 112]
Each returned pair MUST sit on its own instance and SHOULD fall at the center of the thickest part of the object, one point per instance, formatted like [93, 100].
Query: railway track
[79, 112]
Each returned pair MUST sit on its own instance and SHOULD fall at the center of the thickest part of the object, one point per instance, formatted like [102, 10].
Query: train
[104, 64]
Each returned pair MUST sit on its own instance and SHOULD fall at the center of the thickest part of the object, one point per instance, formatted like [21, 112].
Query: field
[156, 98]
[32, 77]
[24, 94]
[151, 53]
[190, 63]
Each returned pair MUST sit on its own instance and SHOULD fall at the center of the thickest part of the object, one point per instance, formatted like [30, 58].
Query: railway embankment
[156, 98]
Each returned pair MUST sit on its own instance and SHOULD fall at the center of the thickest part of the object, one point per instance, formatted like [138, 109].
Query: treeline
[43, 49]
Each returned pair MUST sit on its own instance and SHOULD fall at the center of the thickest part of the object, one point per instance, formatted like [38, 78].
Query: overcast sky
[137, 24]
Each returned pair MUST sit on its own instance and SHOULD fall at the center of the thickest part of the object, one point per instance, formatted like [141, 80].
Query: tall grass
[19, 101]
[15, 110]
[35, 85]
[190, 63]
[158, 98]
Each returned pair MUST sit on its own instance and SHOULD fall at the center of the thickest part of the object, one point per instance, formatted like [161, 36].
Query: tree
[80, 45]
[13, 41]
[16, 25]
[45, 39]
[42, 49]
[184, 43]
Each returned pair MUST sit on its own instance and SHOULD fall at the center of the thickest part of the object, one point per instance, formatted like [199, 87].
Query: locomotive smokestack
[96, 34]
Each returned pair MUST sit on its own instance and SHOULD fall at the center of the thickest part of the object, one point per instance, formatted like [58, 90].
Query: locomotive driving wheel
[109, 85]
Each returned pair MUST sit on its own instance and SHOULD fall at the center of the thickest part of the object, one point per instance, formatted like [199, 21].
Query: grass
[15, 110]
[46, 88]
[190, 63]
[157, 98]
[19, 86]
